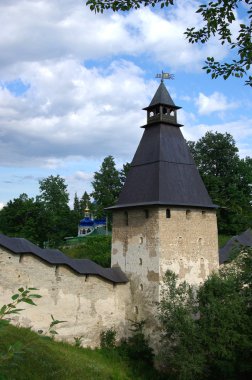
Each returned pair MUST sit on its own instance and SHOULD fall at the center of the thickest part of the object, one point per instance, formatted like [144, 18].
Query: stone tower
[164, 218]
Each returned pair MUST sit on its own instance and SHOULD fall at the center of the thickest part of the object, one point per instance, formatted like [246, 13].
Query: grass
[45, 359]
[96, 248]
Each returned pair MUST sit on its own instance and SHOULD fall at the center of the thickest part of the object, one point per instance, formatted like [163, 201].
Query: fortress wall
[88, 304]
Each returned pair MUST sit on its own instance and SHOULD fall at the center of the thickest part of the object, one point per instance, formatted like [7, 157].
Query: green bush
[207, 332]
[96, 248]
[108, 338]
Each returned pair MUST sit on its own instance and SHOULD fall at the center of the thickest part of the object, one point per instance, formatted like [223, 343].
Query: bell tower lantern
[162, 107]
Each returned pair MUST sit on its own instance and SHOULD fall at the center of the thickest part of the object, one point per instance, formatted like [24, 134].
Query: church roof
[162, 96]
[163, 171]
[56, 257]
[88, 222]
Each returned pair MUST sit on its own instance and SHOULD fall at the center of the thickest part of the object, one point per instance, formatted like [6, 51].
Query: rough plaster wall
[135, 248]
[188, 243]
[89, 304]
[185, 243]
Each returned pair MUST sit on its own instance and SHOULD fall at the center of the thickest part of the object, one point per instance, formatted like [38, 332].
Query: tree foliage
[228, 179]
[218, 17]
[54, 197]
[207, 333]
[106, 185]
[124, 172]
[47, 219]
[25, 217]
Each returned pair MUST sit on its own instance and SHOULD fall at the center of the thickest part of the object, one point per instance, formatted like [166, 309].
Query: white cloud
[80, 176]
[214, 103]
[43, 30]
[86, 114]
[1, 205]
[240, 129]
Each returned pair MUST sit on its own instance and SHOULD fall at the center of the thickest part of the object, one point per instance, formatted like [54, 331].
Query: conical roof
[163, 171]
[162, 96]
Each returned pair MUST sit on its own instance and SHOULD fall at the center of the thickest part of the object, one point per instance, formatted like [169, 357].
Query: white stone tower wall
[188, 243]
[144, 248]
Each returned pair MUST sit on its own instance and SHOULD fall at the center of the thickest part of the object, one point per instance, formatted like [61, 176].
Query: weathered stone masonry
[88, 304]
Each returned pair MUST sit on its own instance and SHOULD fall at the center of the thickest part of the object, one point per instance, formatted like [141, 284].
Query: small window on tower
[165, 111]
[203, 212]
[151, 114]
[146, 212]
[126, 218]
[168, 213]
[188, 214]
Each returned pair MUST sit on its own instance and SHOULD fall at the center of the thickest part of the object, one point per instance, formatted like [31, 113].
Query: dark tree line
[228, 179]
[47, 219]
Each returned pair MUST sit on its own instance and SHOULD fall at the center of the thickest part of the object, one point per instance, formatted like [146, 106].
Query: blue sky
[73, 85]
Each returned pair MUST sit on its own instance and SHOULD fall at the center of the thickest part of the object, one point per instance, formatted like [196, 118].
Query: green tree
[207, 333]
[55, 198]
[180, 353]
[79, 205]
[218, 17]
[124, 172]
[106, 185]
[227, 178]
[85, 202]
[24, 217]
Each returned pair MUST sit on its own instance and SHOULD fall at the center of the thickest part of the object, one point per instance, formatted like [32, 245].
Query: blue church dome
[86, 222]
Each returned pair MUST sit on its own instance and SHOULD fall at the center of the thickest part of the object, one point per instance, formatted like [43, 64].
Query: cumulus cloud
[213, 103]
[51, 30]
[67, 108]
[240, 129]
[87, 113]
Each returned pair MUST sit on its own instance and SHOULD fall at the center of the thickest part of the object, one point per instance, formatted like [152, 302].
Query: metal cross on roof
[164, 76]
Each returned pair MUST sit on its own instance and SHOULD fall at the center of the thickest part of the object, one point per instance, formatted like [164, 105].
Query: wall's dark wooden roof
[163, 172]
[56, 257]
[236, 242]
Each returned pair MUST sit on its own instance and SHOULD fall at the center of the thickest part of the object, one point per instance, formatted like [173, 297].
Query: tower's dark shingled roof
[162, 96]
[163, 171]
[56, 257]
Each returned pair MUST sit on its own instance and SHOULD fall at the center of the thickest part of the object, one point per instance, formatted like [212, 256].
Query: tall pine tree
[106, 185]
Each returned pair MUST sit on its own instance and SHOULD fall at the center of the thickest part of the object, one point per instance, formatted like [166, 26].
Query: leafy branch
[23, 295]
[124, 5]
[218, 17]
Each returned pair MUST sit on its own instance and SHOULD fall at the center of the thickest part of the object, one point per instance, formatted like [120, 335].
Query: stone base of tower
[146, 242]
